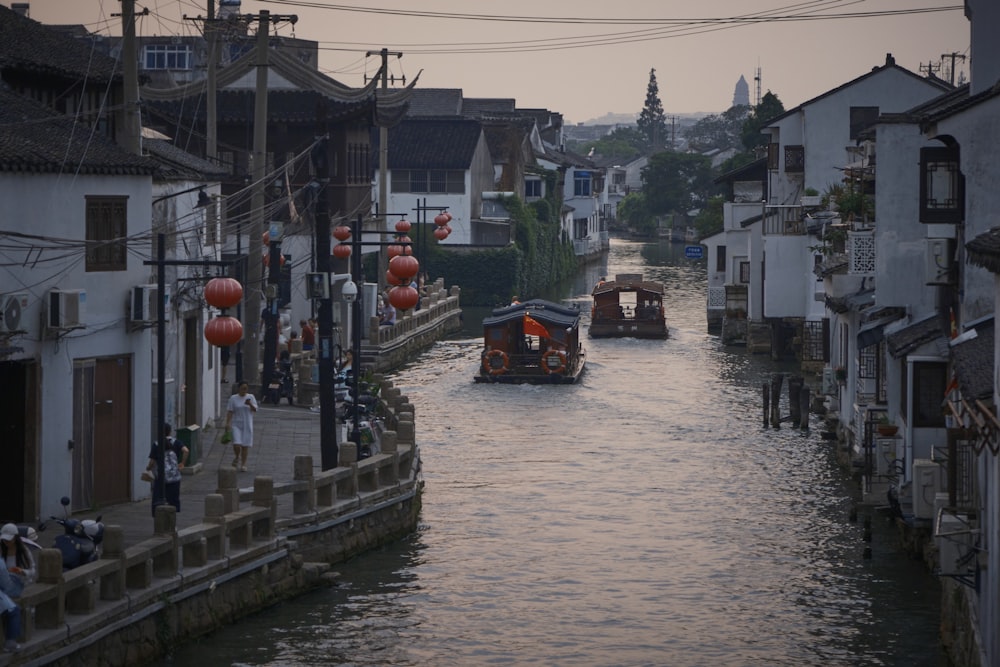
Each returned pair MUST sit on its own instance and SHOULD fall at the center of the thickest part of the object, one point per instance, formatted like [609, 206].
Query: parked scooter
[282, 384]
[80, 542]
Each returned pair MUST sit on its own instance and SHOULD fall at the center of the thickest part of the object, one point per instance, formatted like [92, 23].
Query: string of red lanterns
[222, 293]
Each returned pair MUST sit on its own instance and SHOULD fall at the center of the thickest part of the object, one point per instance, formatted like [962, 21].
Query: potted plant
[885, 427]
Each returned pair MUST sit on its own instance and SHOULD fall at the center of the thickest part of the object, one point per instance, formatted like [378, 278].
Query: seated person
[388, 317]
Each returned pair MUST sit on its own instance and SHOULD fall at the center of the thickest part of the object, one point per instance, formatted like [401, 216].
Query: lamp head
[349, 291]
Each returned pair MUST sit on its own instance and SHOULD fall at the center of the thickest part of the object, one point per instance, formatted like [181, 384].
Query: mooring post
[776, 381]
[795, 383]
[767, 403]
[804, 399]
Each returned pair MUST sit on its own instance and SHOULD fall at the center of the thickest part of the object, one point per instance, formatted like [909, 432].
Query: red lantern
[223, 331]
[448, 215]
[447, 228]
[267, 238]
[342, 250]
[223, 292]
[281, 260]
[404, 266]
[393, 250]
[404, 239]
[403, 298]
[403, 226]
[394, 280]
[442, 219]
[440, 233]
[341, 232]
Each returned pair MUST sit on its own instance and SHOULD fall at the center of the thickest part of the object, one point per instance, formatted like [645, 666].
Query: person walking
[175, 457]
[239, 422]
[308, 335]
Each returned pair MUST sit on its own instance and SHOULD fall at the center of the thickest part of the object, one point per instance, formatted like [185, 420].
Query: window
[581, 184]
[795, 159]
[106, 229]
[720, 258]
[428, 181]
[929, 381]
[861, 119]
[941, 185]
[533, 188]
[745, 273]
[167, 56]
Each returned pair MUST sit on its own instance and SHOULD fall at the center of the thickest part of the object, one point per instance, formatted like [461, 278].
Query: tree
[709, 220]
[623, 143]
[632, 210]
[677, 182]
[718, 131]
[652, 121]
[770, 107]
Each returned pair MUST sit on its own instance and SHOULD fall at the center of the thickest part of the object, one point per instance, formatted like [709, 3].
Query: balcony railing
[783, 220]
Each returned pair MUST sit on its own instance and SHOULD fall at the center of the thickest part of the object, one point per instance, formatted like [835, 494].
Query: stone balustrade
[240, 530]
[438, 303]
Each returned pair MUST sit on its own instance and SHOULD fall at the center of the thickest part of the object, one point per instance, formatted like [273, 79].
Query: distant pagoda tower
[741, 96]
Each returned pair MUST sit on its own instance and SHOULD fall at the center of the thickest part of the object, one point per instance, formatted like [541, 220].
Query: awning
[870, 334]
[902, 342]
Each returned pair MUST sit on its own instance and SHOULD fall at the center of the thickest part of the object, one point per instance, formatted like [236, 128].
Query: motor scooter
[80, 542]
[281, 384]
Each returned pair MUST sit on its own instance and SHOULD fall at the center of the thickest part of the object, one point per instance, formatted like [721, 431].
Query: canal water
[643, 516]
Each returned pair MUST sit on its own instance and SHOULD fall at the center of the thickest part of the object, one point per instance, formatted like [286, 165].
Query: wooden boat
[628, 306]
[535, 342]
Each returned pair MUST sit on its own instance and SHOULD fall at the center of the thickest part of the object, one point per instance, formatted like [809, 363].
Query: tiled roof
[904, 341]
[440, 143]
[972, 361]
[984, 250]
[237, 106]
[475, 107]
[30, 47]
[34, 138]
[435, 102]
[176, 163]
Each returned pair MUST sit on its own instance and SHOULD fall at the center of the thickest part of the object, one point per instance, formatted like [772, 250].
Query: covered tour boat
[628, 306]
[536, 342]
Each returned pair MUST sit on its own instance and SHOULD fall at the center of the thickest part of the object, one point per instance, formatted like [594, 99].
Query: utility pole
[211, 114]
[953, 56]
[130, 72]
[930, 68]
[251, 313]
[383, 159]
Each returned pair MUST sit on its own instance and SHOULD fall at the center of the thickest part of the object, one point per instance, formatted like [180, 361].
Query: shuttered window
[106, 229]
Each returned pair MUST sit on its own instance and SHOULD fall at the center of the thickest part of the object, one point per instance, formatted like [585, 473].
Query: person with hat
[16, 553]
[10, 588]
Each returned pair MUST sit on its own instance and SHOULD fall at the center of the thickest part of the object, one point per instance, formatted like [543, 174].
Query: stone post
[405, 432]
[304, 501]
[229, 489]
[388, 442]
[113, 548]
[263, 496]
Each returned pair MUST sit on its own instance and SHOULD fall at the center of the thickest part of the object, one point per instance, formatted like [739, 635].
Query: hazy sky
[584, 58]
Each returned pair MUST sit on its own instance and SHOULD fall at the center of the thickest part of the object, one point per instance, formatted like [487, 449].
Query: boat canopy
[545, 312]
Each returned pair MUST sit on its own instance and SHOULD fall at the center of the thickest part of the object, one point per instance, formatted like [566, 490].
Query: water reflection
[641, 517]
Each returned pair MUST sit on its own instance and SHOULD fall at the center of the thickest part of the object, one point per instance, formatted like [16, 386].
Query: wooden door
[112, 429]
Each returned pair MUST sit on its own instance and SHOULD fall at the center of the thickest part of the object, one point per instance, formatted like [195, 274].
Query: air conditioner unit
[829, 383]
[12, 316]
[955, 542]
[885, 456]
[938, 262]
[144, 304]
[66, 308]
[926, 475]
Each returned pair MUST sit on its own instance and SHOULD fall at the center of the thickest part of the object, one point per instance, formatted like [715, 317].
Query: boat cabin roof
[543, 311]
[636, 285]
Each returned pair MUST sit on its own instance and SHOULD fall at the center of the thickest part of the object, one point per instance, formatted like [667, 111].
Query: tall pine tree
[652, 122]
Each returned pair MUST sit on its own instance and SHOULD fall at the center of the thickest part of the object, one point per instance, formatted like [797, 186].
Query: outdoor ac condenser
[925, 487]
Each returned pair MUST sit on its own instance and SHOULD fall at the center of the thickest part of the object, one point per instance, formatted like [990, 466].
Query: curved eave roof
[984, 250]
[615, 286]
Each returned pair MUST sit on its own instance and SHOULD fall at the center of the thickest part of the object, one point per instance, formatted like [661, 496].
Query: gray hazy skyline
[520, 49]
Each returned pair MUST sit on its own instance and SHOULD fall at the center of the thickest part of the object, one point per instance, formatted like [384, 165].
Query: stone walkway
[281, 433]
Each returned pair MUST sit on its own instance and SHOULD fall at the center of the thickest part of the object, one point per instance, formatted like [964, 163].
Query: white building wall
[789, 275]
[978, 133]
[55, 206]
[459, 205]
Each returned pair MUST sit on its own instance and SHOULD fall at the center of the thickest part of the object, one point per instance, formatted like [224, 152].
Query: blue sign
[694, 252]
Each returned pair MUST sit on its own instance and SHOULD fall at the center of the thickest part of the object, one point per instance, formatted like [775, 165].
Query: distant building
[741, 96]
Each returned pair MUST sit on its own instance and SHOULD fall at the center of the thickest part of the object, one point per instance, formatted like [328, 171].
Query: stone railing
[438, 303]
[240, 532]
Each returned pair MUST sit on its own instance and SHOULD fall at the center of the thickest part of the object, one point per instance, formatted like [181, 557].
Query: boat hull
[619, 329]
[534, 375]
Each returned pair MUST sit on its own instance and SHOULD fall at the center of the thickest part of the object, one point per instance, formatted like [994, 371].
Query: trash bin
[188, 436]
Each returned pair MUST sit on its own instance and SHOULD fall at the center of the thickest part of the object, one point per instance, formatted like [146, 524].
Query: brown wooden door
[112, 426]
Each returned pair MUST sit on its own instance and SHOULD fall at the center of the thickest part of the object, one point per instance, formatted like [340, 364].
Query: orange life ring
[491, 359]
[549, 368]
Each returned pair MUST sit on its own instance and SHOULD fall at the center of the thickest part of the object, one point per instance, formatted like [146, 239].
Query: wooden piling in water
[767, 403]
[776, 381]
[804, 401]
[795, 384]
